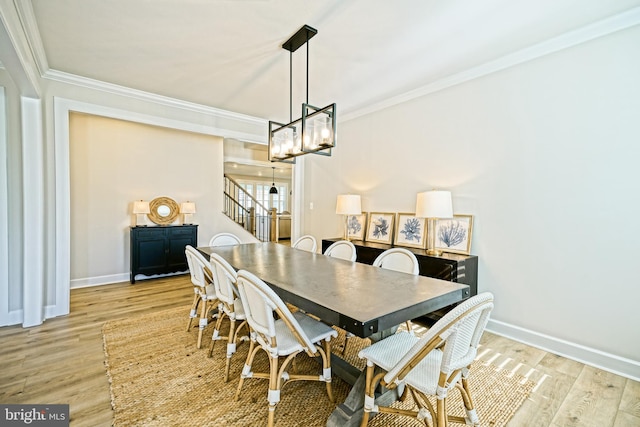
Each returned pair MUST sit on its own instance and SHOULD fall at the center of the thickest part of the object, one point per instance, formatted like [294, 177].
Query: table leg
[349, 413]
[380, 335]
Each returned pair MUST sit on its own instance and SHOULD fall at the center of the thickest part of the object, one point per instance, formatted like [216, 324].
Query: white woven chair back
[306, 243]
[461, 330]
[197, 264]
[342, 249]
[398, 259]
[224, 239]
[259, 302]
[224, 279]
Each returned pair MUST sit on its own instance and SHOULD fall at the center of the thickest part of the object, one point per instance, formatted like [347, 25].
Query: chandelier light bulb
[276, 149]
[297, 147]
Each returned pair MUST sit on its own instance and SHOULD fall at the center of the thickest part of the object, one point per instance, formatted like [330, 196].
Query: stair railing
[248, 212]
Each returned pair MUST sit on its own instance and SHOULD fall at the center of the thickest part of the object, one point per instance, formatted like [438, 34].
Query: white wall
[544, 155]
[113, 163]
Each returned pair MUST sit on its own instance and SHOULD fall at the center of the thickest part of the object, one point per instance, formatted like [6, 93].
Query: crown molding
[19, 61]
[584, 34]
[64, 106]
[30, 28]
[72, 79]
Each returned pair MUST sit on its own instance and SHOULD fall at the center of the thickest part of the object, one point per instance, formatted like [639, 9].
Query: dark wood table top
[357, 297]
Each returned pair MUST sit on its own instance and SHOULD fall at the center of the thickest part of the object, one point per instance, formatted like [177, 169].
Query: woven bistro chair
[306, 243]
[342, 249]
[205, 294]
[224, 280]
[286, 337]
[429, 366]
[399, 259]
[224, 239]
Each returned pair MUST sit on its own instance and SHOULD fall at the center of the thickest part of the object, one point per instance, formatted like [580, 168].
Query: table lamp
[187, 209]
[348, 204]
[140, 209]
[433, 205]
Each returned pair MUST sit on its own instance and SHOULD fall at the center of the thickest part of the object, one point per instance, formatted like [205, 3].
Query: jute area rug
[159, 378]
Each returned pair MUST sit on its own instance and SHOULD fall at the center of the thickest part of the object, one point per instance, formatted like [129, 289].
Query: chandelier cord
[290, 86]
[307, 67]
[291, 80]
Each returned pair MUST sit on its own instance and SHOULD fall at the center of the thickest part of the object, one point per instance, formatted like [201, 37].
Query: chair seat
[315, 330]
[238, 309]
[386, 354]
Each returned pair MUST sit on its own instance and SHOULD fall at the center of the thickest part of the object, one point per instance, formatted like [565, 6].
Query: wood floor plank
[593, 401]
[624, 419]
[520, 353]
[556, 363]
[630, 402]
[545, 400]
[11, 387]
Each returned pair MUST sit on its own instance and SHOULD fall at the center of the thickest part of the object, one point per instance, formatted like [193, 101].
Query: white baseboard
[589, 356]
[115, 278]
[99, 280]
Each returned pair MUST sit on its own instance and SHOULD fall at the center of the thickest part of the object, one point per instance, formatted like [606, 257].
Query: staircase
[247, 212]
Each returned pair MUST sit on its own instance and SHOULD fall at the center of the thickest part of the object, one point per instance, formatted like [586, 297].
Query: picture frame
[380, 227]
[356, 226]
[453, 235]
[411, 231]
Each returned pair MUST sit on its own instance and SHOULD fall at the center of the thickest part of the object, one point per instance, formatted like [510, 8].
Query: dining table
[364, 300]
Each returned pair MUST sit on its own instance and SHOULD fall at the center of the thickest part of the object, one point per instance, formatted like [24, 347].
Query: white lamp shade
[348, 204]
[187, 208]
[141, 207]
[434, 204]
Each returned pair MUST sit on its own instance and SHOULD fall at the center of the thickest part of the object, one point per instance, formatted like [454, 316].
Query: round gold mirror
[163, 210]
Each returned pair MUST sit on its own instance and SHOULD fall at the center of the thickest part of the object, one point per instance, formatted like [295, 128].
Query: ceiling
[244, 159]
[227, 53]
[268, 173]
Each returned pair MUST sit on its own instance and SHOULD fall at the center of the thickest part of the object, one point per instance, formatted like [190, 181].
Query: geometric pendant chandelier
[315, 131]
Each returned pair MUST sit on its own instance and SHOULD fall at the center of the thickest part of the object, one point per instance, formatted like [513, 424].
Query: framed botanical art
[454, 234]
[411, 231]
[356, 226]
[380, 227]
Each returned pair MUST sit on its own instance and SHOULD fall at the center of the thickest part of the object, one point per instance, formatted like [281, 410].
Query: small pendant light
[273, 189]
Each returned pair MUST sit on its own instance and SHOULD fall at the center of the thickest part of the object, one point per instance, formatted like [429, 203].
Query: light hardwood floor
[62, 361]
